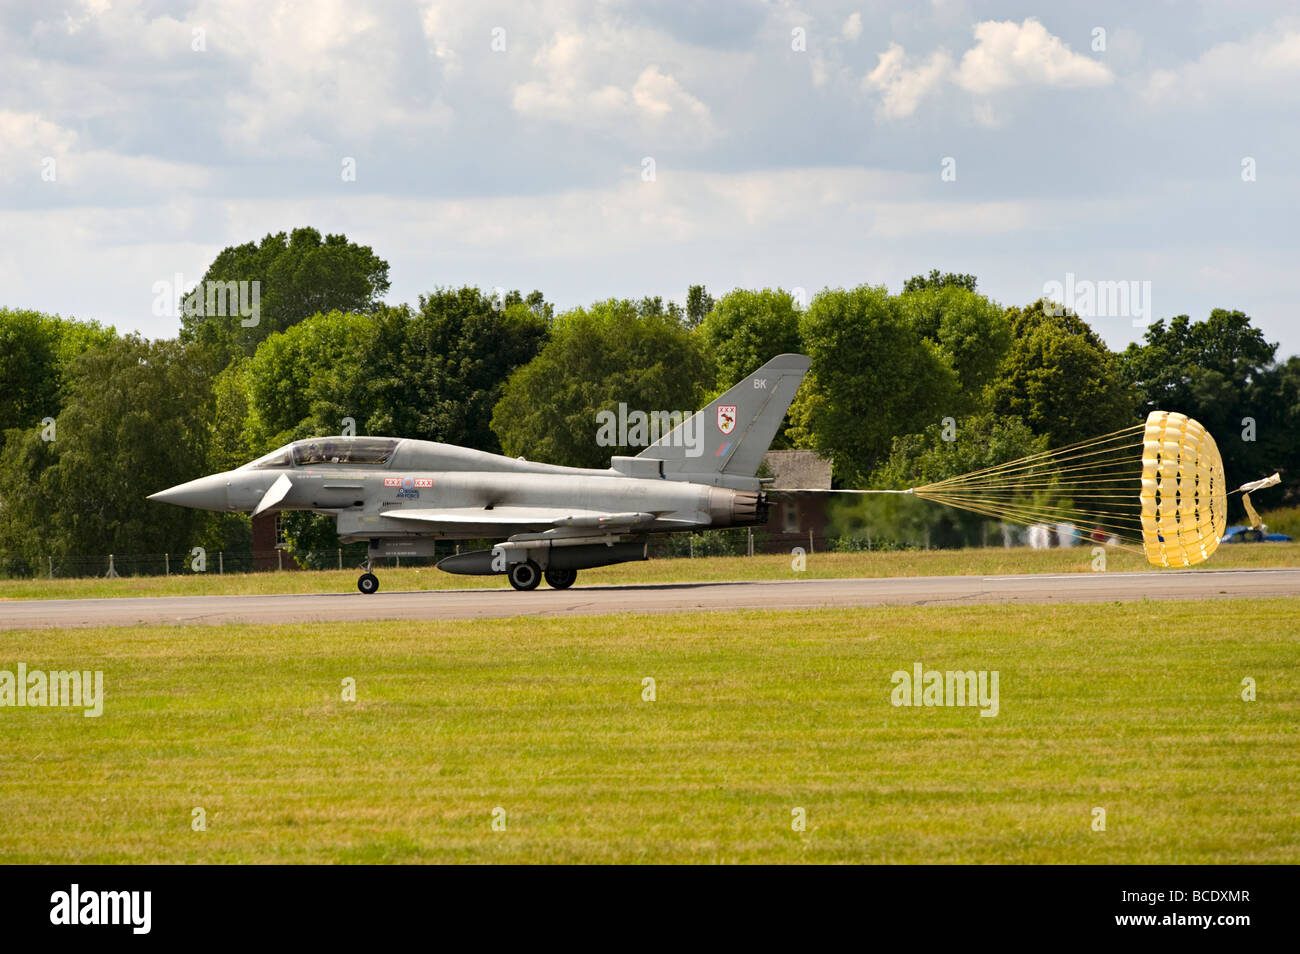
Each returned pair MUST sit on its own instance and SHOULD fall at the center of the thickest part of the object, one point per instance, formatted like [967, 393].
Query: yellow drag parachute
[1156, 488]
[1184, 494]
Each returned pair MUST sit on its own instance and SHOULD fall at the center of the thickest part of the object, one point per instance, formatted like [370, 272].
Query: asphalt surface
[662, 598]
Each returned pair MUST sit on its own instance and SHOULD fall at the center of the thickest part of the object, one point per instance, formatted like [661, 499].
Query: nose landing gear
[367, 582]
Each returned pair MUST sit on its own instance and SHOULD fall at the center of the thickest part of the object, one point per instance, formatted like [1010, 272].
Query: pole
[810, 543]
[340, 558]
[279, 559]
[749, 541]
[51, 559]
[167, 565]
[221, 561]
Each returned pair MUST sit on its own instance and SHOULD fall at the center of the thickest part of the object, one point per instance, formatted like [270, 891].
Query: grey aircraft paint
[400, 495]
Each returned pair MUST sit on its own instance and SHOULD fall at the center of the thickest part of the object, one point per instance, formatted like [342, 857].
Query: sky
[1145, 152]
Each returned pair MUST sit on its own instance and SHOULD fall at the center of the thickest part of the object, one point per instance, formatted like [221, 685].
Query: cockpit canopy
[360, 451]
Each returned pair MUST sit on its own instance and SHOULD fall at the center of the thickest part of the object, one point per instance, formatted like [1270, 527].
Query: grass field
[979, 561]
[1134, 708]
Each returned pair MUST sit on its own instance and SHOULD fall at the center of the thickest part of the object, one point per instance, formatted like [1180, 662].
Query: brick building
[790, 521]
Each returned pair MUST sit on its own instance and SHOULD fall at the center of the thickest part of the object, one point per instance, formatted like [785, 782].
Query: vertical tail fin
[738, 427]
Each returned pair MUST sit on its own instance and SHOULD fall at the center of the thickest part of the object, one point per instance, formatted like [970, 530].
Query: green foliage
[698, 305]
[1060, 378]
[709, 543]
[35, 351]
[615, 351]
[303, 381]
[1221, 371]
[746, 329]
[135, 421]
[872, 377]
[935, 281]
[981, 440]
[437, 373]
[300, 274]
[972, 330]
[1282, 520]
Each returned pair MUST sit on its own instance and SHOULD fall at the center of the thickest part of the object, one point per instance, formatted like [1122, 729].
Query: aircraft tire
[560, 579]
[525, 575]
[368, 583]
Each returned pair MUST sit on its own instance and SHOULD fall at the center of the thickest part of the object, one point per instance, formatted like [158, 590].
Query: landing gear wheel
[368, 583]
[524, 576]
[561, 579]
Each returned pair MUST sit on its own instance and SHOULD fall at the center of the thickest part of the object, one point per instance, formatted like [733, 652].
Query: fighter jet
[402, 495]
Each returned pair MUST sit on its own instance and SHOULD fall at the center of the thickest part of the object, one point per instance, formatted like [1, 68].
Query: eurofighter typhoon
[402, 495]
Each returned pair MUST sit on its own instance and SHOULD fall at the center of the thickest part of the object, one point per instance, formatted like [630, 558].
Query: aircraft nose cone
[206, 493]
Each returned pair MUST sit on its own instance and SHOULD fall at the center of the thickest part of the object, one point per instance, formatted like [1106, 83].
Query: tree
[972, 330]
[698, 305]
[35, 351]
[973, 443]
[298, 275]
[437, 373]
[134, 422]
[936, 281]
[1060, 378]
[872, 377]
[746, 329]
[1221, 372]
[614, 352]
[302, 382]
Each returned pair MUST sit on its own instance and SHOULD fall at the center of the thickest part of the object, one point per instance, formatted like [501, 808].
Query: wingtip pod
[1184, 493]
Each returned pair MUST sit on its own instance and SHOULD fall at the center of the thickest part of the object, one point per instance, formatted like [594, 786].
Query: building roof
[798, 468]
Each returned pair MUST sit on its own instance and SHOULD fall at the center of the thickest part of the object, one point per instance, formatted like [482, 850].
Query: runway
[662, 598]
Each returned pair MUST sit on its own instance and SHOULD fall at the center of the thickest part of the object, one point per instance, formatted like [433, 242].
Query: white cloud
[1267, 65]
[27, 140]
[585, 81]
[902, 87]
[852, 28]
[1006, 55]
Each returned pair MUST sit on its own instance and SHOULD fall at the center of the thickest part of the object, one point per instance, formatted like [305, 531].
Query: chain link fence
[710, 543]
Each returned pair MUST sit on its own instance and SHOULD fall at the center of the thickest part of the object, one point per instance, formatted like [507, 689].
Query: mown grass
[1135, 708]
[975, 562]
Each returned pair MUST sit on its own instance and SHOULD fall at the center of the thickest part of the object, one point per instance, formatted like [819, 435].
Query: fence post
[221, 562]
[51, 559]
[279, 559]
[691, 541]
[340, 558]
[167, 565]
[810, 540]
[749, 541]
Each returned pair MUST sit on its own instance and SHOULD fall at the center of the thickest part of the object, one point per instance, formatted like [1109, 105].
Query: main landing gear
[367, 582]
[561, 579]
[527, 575]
